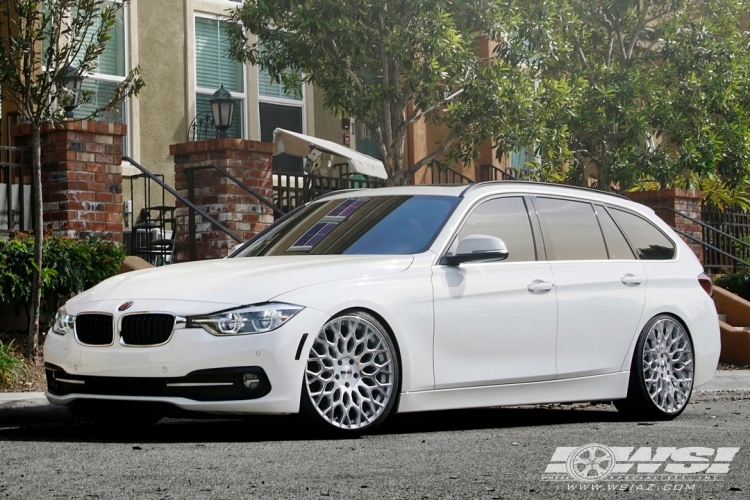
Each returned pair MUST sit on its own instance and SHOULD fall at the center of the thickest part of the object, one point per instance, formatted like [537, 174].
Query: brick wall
[81, 177]
[688, 202]
[243, 214]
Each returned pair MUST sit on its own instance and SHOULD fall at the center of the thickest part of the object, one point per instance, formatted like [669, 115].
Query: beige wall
[326, 125]
[160, 116]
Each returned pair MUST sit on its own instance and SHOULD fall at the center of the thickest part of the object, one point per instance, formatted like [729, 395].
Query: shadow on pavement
[51, 423]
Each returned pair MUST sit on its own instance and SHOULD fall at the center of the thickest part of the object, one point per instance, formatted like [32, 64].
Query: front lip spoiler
[215, 384]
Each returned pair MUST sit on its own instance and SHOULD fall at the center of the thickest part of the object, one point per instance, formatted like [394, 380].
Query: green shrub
[67, 266]
[737, 283]
[12, 367]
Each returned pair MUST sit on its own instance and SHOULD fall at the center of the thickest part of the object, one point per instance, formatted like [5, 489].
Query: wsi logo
[597, 462]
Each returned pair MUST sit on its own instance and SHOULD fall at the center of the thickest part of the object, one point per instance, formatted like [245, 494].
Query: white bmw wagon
[366, 303]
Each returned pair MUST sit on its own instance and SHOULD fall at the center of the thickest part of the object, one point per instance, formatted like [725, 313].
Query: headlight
[246, 320]
[64, 322]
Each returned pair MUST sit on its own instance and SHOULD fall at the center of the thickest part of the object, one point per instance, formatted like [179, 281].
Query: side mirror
[477, 248]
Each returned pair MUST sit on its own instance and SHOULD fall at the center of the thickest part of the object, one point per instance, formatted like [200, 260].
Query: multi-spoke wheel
[661, 375]
[352, 375]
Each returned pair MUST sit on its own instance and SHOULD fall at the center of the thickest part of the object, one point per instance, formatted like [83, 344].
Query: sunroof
[313, 235]
[347, 207]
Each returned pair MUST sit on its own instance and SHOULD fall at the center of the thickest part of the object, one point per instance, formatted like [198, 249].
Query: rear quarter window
[648, 242]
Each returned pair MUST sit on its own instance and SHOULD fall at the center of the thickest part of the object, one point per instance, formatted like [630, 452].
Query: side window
[648, 242]
[570, 230]
[507, 219]
[617, 245]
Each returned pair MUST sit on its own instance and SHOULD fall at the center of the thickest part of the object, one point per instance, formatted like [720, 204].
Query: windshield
[374, 225]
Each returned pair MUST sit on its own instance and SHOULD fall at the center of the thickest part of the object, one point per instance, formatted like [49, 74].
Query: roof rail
[485, 183]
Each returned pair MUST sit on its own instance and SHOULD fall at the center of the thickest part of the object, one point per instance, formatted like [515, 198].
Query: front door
[495, 322]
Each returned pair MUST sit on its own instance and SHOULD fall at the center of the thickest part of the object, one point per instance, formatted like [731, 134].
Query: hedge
[737, 283]
[68, 266]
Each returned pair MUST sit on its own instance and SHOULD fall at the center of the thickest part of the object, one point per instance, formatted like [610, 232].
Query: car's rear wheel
[662, 370]
[352, 375]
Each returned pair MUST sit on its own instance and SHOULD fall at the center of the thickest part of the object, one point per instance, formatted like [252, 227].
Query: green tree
[634, 90]
[43, 45]
[388, 63]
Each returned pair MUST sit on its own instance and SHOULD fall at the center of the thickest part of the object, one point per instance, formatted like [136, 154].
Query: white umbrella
[324, 153]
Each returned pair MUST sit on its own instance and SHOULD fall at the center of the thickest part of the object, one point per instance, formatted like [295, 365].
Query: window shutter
[213, 67]
[273, 116]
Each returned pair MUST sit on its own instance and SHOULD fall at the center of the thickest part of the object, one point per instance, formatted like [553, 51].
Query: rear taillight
[706, 284]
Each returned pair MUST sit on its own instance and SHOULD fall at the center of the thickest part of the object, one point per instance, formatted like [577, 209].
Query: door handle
[540, 286]
[631, 280]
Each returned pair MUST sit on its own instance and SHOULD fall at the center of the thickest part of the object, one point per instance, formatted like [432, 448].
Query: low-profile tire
[661, 373]
[352, 375]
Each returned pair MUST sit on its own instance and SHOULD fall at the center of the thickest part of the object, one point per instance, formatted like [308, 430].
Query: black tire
[344, 390]
[656, 366]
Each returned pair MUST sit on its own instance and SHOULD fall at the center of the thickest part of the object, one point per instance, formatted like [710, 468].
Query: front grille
[146, 329]
[94, 329]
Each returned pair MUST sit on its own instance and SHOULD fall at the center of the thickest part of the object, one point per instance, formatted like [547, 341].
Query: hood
[213, 285]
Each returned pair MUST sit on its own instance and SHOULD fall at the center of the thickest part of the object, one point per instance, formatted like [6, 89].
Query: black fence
[735, 226]
[16, 195]
[293, 190]
[493, 173]
[443, 174]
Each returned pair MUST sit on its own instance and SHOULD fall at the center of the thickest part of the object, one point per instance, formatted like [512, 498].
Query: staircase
[734, 322]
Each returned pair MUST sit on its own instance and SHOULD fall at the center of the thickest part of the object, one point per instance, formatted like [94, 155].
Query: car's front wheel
[662, 370]
[352, 375]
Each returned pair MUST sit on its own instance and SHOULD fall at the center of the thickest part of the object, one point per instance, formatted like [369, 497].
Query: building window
[365, 142]
[214, 68]
[280, 109]
[109, 72]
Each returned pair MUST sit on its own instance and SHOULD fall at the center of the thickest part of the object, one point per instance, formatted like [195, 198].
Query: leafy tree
[41, 43]
[389, 63]
[635, 90]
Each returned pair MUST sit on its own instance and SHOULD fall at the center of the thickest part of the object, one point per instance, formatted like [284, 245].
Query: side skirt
[595, 388]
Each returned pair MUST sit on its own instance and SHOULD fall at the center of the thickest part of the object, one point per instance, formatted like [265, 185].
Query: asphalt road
[489, 453]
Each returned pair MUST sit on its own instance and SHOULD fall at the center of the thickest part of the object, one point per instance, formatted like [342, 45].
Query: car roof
[481, 189]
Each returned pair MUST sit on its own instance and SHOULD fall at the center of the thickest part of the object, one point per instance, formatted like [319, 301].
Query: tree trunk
[32, 348]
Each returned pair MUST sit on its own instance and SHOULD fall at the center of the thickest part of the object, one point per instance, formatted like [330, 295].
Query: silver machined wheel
[668, 365]
[350, 375]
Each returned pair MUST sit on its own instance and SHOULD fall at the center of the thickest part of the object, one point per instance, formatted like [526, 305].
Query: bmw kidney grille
[146, 329]
[94, 329]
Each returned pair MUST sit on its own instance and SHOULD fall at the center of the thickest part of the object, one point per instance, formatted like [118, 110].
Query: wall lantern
[73, 82]
[222, 107]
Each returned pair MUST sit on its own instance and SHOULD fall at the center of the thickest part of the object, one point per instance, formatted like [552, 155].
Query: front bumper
[194, 371]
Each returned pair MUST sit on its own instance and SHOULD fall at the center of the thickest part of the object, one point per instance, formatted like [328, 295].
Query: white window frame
[282, 101]
[209, 92]
[126, 119]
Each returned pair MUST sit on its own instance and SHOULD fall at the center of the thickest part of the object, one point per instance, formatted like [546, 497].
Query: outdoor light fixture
[73, 82]
[222, 107]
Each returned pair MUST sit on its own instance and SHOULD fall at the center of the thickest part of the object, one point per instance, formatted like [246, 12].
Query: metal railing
[192, 227]
[16, 195]
[493, 173]
[716, 258]
[443, 174]
[193, 208]
[293, 190]
[736, 224]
